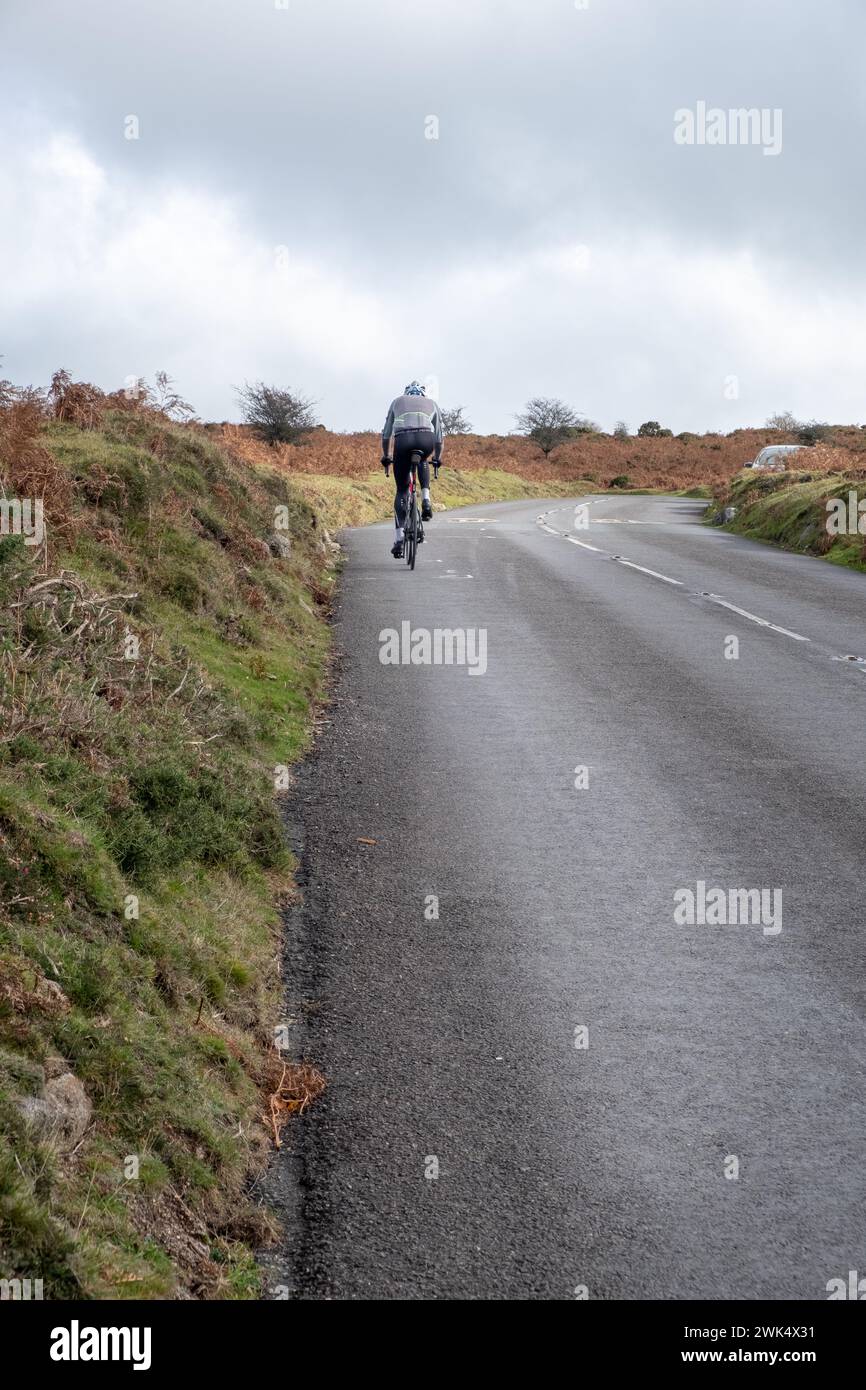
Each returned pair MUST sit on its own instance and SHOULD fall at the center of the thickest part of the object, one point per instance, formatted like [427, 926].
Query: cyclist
[416, 424]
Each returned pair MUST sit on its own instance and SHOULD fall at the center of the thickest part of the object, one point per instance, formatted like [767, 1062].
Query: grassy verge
[152, 674]
[345, 501]
[790, 510]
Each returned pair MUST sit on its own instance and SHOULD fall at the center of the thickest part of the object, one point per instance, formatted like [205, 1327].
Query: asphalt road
[570, 1160]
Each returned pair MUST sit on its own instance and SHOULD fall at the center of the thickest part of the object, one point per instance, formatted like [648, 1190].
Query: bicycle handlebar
[386, 464]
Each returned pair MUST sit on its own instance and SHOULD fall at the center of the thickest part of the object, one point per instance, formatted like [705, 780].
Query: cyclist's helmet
[413, 389]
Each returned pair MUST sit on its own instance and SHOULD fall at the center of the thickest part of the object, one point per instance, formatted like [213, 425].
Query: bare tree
[276, 415]
[548, 422]
[455, 422]
[785, 420]
[620, 430]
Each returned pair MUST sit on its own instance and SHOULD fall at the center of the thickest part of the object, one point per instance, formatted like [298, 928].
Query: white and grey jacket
[413, 413]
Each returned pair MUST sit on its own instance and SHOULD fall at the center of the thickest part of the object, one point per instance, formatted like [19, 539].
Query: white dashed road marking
[666, 579]
[586, 545]
[753, 618]
[643, 569]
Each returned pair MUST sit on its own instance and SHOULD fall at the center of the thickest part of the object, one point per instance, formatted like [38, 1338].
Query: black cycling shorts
[406, 443]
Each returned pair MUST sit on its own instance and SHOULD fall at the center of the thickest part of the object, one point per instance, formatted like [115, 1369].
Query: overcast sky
[283, 214]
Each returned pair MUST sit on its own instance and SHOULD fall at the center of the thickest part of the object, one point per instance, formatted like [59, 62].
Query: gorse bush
[815, 432]
[179, 813]
[651, 429]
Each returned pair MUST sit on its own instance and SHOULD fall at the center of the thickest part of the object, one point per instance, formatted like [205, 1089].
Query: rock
[729, 513]
[61, 1114]
[51, 996]
[279, 545]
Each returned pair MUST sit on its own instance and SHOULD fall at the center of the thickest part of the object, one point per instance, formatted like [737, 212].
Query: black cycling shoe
[397, 550]
[426, 510]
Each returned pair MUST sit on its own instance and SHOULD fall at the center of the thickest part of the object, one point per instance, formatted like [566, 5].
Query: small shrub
[183, 587]
[815, 432]
[275, 415]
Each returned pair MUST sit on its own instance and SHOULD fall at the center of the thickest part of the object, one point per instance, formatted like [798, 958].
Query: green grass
[142, 857]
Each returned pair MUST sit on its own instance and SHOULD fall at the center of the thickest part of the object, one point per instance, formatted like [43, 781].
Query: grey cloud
[556, 126]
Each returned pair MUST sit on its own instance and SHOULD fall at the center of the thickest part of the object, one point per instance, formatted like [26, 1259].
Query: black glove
[437, 464]
[386, 463]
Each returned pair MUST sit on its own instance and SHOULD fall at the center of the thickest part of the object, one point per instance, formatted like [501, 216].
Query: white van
[775, 456]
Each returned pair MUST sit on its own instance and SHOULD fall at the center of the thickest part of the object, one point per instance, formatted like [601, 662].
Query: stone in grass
[62, 1113]
[51, 996]
[279, 545]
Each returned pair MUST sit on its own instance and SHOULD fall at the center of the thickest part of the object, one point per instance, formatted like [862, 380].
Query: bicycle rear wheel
[411, 546]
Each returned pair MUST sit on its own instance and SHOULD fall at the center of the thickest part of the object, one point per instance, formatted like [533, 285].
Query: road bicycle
[413, 527]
